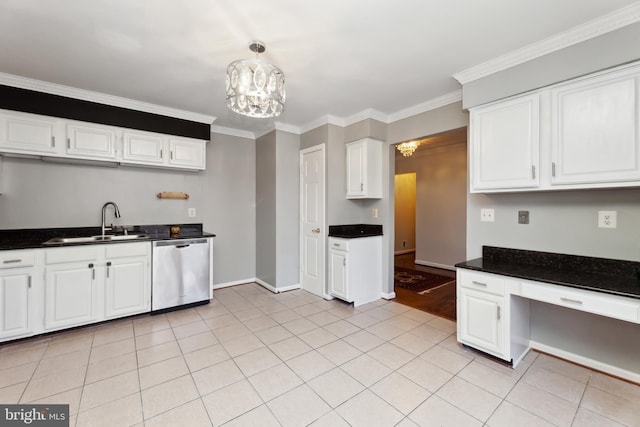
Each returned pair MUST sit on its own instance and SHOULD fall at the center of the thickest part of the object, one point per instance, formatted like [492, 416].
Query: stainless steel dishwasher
[181, 273]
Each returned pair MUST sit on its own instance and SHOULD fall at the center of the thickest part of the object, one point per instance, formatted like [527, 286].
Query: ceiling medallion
[255, 88]
[407, 148]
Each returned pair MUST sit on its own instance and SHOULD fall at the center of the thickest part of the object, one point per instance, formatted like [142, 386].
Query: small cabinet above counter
[364, 169]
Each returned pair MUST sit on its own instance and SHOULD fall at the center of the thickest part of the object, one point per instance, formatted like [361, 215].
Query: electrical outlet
[404, 243]
[374, 212]
[487, 215]
[192, 212]
[607, 219]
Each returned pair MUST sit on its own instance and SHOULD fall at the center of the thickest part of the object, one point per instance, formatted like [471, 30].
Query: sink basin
[95, 239]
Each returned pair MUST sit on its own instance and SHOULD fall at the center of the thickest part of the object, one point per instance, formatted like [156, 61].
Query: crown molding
[233, 132]
[101, 98]
[441, 101]
[284, 127]
[368, 114]
[610, 22]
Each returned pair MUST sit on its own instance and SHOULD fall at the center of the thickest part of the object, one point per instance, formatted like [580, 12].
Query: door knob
[316, 230]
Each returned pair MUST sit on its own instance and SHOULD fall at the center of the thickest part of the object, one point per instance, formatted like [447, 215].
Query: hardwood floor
[441, 301]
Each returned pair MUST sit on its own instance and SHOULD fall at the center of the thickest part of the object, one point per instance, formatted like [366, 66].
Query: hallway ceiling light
[255, 88]
[407, 148]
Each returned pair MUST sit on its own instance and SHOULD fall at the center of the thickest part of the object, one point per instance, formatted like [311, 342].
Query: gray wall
[441, 197]
[266, 208]
[277, 209]
[39, 195]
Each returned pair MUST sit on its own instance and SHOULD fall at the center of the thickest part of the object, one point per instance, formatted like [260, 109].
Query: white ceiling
[340, 57]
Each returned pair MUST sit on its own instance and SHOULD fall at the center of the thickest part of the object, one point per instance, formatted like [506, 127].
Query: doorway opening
[430, 193]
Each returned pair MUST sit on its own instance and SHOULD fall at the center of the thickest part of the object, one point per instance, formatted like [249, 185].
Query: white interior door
[312, 227]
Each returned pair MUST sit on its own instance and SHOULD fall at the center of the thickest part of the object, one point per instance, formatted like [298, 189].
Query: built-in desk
[583, 309]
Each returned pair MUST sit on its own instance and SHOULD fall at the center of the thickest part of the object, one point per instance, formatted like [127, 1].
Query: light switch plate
[487, 215]
[523, 217]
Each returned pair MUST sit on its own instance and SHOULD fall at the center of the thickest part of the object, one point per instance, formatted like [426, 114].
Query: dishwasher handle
[181, 243]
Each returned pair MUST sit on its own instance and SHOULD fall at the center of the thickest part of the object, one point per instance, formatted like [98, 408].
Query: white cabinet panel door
[70, 295]
[595, 131]
[505, 140]
[91, 141]
[479, 321]
[142, 148]
[127, 287]
[14, 303]
[338, 275]
[28, 133]
[185, 153]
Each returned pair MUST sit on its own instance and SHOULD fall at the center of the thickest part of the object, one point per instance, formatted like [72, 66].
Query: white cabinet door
[364, 169]
[187, 153]
[504, 148]
[15, 304]
[127, 287]
[91, 141]
[480, 322]
[70, 295]
[595, 134]
[28, 133]
[143, 148]
[338, 285]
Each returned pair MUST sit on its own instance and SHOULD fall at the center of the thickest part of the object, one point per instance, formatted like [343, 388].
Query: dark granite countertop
[352, 231]
[31, 238]
[617, 277]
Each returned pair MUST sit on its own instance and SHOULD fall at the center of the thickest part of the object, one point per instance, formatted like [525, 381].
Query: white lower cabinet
[18, 293]
[128, 280]
[71, 288]
[489, 318]
[355, 273]
[86, 284]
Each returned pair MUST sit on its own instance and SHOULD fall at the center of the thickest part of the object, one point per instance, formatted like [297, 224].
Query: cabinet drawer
[577, 299]
[481, 282]
[124, 250]
[339, 244]
[14, 259]
[62, 255]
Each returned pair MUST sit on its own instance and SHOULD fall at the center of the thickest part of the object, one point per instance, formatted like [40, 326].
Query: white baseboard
[390, 295]
[588, 362]
[404, 251]
[435, 264]
[259, 282]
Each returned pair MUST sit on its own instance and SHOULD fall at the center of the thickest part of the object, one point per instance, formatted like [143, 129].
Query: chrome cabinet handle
[93, 272]
[53, 142]
[570, 300]
[108, 267]
[479, 283]
[499, 312]
[11, 261]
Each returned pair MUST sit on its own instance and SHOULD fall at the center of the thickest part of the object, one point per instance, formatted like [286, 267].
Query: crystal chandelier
[255, 88]
[407, 148]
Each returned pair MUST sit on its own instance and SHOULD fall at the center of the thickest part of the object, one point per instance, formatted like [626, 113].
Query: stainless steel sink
[95, 239]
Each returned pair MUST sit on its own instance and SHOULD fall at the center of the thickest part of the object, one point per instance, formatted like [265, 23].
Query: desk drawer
[593, 302]
[338, 244]
[15, 259]
[482, 282]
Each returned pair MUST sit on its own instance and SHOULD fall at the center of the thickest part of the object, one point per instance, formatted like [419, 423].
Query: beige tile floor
[253, 358]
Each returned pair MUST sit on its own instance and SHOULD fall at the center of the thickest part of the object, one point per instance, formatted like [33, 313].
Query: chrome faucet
[104, 209]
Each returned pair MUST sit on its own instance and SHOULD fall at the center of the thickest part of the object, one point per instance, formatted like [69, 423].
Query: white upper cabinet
[584, 133]
[142, 147]
[88, 140]
[594, 136]
[35, 135]
[505, 142]
[29, 133]
[364, 169]
[187, 153]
